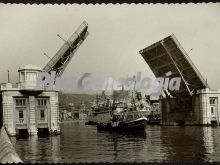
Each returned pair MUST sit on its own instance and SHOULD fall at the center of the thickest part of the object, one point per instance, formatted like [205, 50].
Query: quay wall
[7, 150]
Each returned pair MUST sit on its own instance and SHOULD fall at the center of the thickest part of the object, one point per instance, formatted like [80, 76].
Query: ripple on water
[80, 143]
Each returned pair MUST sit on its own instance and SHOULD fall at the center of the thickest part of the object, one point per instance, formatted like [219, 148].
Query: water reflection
[212, 143]
[80, 143]
[183, 143]
[90, 145]
[37, 150]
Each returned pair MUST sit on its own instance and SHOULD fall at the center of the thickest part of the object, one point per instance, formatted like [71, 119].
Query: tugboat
[126, 120]
[130, 120]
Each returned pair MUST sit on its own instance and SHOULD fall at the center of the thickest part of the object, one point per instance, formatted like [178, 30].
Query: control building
[27, 110]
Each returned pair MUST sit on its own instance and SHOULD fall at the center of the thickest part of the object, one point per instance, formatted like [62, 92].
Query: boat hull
[138, 125]
[91, 123]
[153, 122]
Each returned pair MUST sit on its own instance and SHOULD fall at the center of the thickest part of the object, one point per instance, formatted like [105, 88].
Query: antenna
[64, 41]
[8, 76]
[47, 56]
[190, 50]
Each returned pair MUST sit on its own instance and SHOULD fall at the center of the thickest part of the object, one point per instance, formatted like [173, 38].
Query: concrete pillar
[32, 116]
[8, 113]
[202, 109]
[218, 110]
[204, 100]
[160, 107]
[196, 109]
[1, 111]
[54, 112]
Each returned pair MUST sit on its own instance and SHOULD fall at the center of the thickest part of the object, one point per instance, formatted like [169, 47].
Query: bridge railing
[7, 150]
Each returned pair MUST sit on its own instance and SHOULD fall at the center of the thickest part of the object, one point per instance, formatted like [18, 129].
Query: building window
[20, 106]
[22, 77]
[212, 100]
[27, 76]
[35, 76]
[20, 102]
[42, 108]
[31, 76]
[42, 116]
[42, 102]
[212, 110]
[21, 114]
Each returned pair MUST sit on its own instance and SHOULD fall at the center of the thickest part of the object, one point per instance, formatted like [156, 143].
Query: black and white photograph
[109, 83]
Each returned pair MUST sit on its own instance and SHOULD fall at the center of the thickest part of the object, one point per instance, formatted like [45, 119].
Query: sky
[117, 33]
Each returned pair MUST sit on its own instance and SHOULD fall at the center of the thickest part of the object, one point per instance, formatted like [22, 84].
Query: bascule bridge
[194, 103]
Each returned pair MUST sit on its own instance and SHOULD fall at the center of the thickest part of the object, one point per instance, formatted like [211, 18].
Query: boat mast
[133, 95]
[97, 100]
[123, 94]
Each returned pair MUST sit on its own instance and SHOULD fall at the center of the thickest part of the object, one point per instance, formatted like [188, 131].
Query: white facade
[207, 106]
[26, 108]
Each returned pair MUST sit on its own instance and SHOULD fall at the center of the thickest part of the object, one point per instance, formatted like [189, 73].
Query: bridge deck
[168, 55]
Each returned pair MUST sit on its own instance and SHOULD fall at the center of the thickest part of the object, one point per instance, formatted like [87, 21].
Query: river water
[81, 143]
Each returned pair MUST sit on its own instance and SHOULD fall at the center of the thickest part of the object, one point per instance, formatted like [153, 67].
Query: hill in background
[76, 99]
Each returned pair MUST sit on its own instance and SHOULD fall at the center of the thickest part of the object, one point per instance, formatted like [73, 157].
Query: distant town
[79, 106]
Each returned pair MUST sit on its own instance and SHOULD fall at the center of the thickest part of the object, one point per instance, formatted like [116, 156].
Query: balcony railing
[21, 121]
[42, 125]
[42, 120]
[213, 118]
